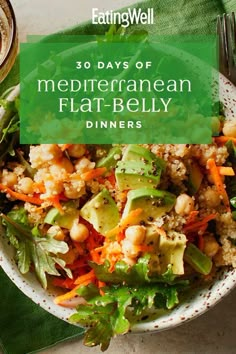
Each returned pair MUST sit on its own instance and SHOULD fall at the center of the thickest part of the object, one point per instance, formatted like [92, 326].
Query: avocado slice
[152, 236]
[54, 217]
[154, 202]
[171, 251]
[139, 153]
[137, 174]
[168, 249]
[102, 212]
[195, 177]
[110, 160]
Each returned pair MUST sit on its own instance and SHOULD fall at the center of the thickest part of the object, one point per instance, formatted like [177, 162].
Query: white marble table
[213, 332]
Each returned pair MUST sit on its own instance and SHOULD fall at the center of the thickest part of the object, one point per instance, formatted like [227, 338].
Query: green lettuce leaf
[33, 248]
[137, 274]
[107, 315]
[9, 127]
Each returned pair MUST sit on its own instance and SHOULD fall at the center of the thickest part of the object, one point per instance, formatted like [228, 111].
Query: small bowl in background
[8, 38]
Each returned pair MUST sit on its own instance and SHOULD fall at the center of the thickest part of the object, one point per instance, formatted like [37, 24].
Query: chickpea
[9, 179]
[78, 232]
[135, 234]
[129, 249]
[218, 258]
[56, 232]
[67, 165]
[61, 168]
[184, 204]
[26, 185]
[74, 190]
[211, 246]
[229, 128]
[77, 150]
[212, 198]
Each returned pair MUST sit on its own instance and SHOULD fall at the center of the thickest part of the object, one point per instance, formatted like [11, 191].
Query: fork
[226, 29]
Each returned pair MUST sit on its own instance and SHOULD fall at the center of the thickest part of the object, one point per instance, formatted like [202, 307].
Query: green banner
[128, 89]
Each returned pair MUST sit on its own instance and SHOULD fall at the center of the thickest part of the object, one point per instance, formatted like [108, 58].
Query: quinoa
[60, 173]
[226, 228]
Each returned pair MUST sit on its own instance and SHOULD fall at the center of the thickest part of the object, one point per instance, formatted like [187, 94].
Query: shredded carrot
[197, 225]
[55, 201]
[96, 172]
[62, 197]
[226, 171]
[95, 239]
[78, 247]
[113, 260]
[65, 146]
[195, 228]
[20, 196]
[192, 216]
[101, 285]
[90, 276]
[144, 248]
[112, 179]
[218, 182]
[161, 231]
[83, 280]
[120, 236]
[131, 219]
[221, 140]
[110, 251]
[67, 296]
[64, 283]
[40, 187]
[78, 264]
[95, 256]
[200, 241]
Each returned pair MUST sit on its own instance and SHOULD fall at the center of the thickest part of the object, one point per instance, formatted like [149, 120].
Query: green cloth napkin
[24, 326]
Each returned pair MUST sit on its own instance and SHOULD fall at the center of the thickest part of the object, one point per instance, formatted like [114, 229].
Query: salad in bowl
[121, 235]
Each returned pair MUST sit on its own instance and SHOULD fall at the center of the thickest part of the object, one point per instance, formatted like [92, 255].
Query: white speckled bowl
[199, 301]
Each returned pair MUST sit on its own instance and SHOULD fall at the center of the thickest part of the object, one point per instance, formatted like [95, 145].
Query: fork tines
[226, 29]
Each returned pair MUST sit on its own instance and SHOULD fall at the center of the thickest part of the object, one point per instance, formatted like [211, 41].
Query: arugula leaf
[231, 187]
[108, 315]
[29, 171]
[32, 248]
[232, 151]
[12, 127]
[137, 274]
[9, 127]
[130, 288]
[23, 257]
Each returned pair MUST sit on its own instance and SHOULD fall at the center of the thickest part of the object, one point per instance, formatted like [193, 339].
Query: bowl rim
[13, 30]
[208, 298]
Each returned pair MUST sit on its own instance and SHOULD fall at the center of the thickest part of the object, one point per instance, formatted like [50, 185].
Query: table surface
[213, 332]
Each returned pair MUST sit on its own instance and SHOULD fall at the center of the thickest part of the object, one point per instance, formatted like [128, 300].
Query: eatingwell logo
[129, 17]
